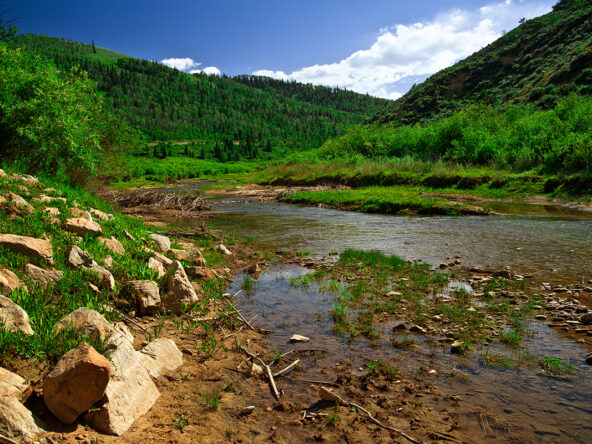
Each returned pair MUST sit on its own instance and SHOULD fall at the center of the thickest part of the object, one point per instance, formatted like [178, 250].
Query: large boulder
[161, 356]
[16, 421]
[9, 281]
[147, 295]
[202, 273]
[113, 244]
[87, 322]
[130, 392]
[162, 242]
[13, 317]
[36, 249]
[76, 383]
[44, 278]
[180, 294]
[83, 227]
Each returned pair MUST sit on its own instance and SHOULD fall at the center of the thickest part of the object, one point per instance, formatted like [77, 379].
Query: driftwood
[267, 370]
[287, 369]
[163, 201]
[328, 395]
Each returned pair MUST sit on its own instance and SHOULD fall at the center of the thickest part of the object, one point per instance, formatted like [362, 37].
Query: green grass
[212, 399]
[557, 367]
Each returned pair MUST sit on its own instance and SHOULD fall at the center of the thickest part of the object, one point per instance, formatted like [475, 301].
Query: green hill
[539, 62]
[167, 104]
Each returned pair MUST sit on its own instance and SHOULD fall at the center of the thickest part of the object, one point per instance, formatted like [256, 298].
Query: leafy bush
[52, 121]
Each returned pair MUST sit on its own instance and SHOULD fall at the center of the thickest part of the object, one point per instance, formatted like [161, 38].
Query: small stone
[156, 265]
[13, 317]
[44, 278]
[113, 244]
[329, 396]
[298, 338]
[52, 211]
[417, 329]
[101, 215]
[83, 227]
[246, 410]
[589, 359]
[10, 281]
[108, 261]
[586, 319]
[147, 295]
[456, 347]
[19, 201]
[78, 381]
[163, 242]
[399, 327]
[256, 370]
[225, 251]
[392, 294]
[180, 294]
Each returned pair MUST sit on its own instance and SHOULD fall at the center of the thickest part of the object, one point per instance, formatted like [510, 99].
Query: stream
[496, 404]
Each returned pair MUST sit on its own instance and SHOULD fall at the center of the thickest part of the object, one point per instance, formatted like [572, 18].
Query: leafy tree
[7, 28]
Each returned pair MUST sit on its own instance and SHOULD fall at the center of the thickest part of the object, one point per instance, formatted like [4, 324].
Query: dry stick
[242, 318]
[125, 318]
[287, 369]
[267, 369]
[377, 422]
[312, 381]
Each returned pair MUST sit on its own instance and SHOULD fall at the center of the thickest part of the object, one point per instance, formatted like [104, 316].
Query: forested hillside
[167, 104]
[539, 62]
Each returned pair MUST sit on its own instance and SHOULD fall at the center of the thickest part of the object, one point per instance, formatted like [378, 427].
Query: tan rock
[3, 175]
[180, 295]
[26, 179]
[147, 295]
[202, 273]
[166, 262]
[161, 356]
[130, 392]
[83, 227]
[78, 213]
[163, 243]
[37, 249]
[101, 215]
[19, 201]
[43, 277]
[49, 199]
[10, 281]
[225, 251]
[86, 322]
[330, 396]
[155, 264]
[108, 262]
[299, 338]
[76, 383]
[192, 255]
[113, 244]
[16, 421]
[13, 317]
[52, 211]
[79, 258]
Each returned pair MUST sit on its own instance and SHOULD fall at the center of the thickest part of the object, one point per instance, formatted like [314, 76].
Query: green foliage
[243, 117]
[370, 258]
[521, 138]
[52, 121]
[539, 62]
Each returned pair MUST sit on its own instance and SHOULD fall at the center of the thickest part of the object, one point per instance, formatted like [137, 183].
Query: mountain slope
[167, 104]
[538, 62]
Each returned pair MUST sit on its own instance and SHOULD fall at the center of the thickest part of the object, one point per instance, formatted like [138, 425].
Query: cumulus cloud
[189, 65]
[182, 64]
[404, 54]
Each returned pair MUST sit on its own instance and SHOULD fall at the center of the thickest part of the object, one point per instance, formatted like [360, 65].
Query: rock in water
[13, 317]
[163, 242]
[130, 392]
[147, 296]
[161, 356]
[299, 338]
[586, 319]
[180, 294]
[16, 421]
[36, 249]
[43, 277]
[76, 383]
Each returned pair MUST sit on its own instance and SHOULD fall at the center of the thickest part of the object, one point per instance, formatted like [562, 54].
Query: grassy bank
[386, 200]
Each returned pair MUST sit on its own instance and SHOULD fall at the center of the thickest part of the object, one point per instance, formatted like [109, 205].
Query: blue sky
[377, 46]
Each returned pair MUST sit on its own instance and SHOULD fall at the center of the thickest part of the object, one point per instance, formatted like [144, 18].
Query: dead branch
[377, 422]
[287, 369]
[163, 201]
[241, 317]
[267, 370]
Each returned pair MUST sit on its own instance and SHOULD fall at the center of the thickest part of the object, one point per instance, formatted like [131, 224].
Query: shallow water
[528, 405]
[551, 248]
[521, 405]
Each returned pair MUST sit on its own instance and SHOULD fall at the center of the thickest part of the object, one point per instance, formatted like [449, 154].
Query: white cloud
[403, 54]
[189, 65]
[182, 64]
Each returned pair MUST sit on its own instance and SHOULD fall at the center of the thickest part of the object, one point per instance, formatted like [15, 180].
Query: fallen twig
[384, 426]
[267, 370]
[287, 369]
[242, 318]
[131, 321]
